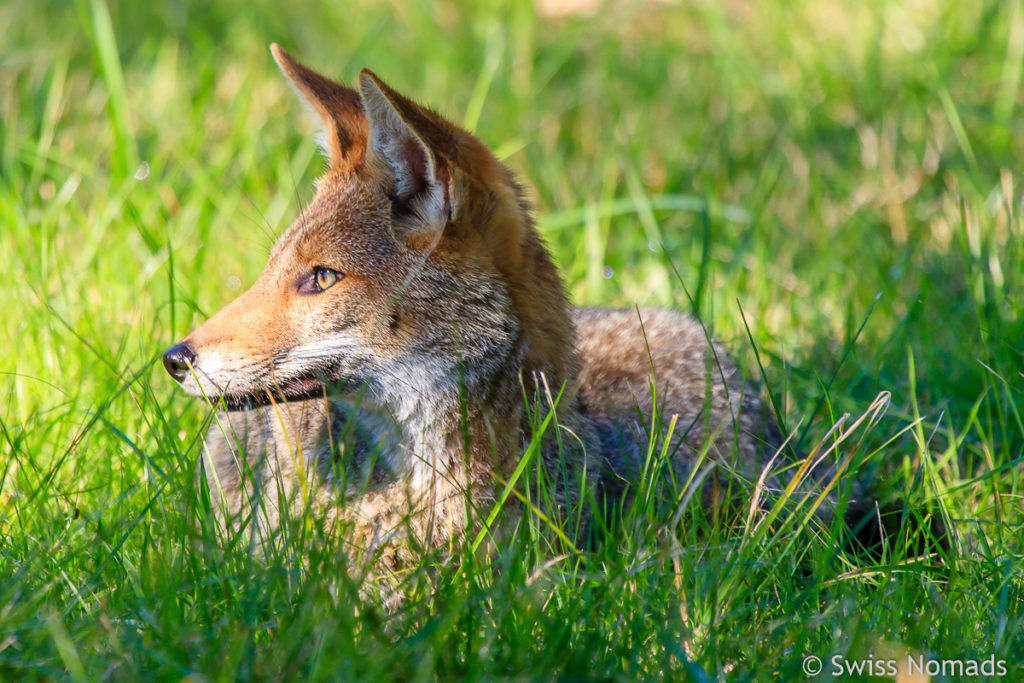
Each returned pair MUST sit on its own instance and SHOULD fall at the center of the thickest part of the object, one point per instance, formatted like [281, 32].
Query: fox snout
[178, 360]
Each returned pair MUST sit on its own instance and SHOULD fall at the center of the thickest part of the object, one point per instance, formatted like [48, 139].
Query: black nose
[178, 359]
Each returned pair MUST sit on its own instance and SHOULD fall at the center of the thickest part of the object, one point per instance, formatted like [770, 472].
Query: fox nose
[178, 359]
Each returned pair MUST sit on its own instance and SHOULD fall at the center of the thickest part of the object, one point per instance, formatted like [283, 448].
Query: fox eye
[326, 278]
[321, 279]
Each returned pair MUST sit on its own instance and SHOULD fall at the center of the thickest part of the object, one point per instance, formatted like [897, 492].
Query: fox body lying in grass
[388, 361]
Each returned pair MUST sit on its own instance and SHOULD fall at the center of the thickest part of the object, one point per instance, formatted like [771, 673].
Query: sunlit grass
[836, 185]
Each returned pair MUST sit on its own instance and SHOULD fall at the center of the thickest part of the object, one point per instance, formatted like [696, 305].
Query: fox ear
[338, 111]
[399, 131]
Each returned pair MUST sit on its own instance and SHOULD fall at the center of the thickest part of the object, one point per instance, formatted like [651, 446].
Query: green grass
[841, 178]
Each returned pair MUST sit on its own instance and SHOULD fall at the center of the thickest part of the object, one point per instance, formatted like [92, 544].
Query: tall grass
[834, 188]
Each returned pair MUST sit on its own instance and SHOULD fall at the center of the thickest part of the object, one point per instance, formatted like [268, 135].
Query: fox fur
[404, 387]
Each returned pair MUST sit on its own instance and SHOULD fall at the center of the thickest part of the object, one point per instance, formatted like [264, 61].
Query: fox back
[387, 358]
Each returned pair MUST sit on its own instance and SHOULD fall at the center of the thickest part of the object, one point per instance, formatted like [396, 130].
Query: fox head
[415, 269]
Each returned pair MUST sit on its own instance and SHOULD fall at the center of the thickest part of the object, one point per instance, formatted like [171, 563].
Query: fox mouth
[245, 392]
[296, 389]
[299, 388]
[237, 385]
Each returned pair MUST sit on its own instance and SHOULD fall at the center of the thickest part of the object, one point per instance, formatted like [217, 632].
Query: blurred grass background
[847, 173]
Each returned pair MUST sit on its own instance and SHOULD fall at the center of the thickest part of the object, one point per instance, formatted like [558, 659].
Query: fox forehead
[347, 227]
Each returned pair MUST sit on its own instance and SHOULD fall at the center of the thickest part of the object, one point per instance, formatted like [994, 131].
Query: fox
[411, 330]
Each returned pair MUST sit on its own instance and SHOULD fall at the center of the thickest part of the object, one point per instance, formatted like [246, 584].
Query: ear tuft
[418, 172]
[338, 111]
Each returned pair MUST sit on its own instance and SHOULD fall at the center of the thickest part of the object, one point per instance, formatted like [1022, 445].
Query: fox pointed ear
[338, 111]
[399, 134]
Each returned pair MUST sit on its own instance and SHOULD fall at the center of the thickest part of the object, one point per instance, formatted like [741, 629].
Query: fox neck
[457, 421]
[467, 401]
[538, 301]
